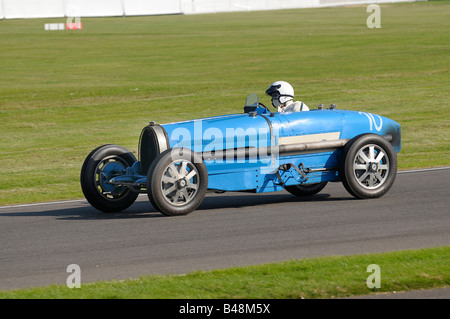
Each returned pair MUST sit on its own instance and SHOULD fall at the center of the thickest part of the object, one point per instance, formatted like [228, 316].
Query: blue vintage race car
[256, 151]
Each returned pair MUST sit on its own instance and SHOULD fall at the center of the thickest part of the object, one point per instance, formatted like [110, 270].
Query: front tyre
[369, 166]
[99, 167]
[177, 182]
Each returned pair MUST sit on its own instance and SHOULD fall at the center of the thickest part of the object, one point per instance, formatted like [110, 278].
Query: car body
[255, 151]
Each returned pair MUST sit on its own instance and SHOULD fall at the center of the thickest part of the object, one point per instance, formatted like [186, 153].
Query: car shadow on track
[221, 201]
[143, 208]
[83, 211]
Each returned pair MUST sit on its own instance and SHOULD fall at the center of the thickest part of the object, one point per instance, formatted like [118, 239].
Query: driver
[282, 94]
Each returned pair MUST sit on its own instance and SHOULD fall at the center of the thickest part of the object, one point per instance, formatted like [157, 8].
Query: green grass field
[63, 93]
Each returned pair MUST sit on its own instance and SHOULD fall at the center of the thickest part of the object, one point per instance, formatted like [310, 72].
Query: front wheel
[177, 182]
[99, 167]
[369, 166]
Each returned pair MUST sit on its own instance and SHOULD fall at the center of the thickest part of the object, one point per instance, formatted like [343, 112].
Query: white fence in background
[12, 9]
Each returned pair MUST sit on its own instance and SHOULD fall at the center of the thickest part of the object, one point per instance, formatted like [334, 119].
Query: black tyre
[306, 190]
[369, 166]
[177, 182]
[99, 167]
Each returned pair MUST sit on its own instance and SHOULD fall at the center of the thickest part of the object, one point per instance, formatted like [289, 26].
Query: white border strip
[423, 170]
[84, 201]
[45, 203]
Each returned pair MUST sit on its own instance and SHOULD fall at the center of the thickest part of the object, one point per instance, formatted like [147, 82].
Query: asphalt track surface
[39, 241]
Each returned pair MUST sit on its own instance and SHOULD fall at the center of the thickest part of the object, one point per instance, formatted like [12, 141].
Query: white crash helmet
[281, 92]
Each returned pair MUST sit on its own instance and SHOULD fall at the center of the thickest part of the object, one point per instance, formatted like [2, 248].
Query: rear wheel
[177, 182]
[99, 167]
[306, 190]
[369, 166]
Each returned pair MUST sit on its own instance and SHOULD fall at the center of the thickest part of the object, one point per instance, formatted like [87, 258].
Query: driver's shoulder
[299, 106]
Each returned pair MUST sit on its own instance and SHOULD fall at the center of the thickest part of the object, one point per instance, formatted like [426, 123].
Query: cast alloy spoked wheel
[99, 167]
[107, 169]
[180, 182]
[177, 181]
[368, 166]
[371, 166]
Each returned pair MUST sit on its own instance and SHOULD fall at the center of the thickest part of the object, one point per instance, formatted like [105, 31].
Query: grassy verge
[327, 277]
[64, 93]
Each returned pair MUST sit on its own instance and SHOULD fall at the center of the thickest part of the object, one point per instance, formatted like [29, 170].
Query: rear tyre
[306, 190]
[177, 182]
[101, 165]
[369, 166]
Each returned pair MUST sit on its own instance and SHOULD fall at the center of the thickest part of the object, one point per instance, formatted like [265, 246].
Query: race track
[38, 242]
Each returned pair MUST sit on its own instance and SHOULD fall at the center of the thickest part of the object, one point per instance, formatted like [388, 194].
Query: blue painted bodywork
[262, 128]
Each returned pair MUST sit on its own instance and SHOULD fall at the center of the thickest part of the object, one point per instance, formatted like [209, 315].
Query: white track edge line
[423, 170]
